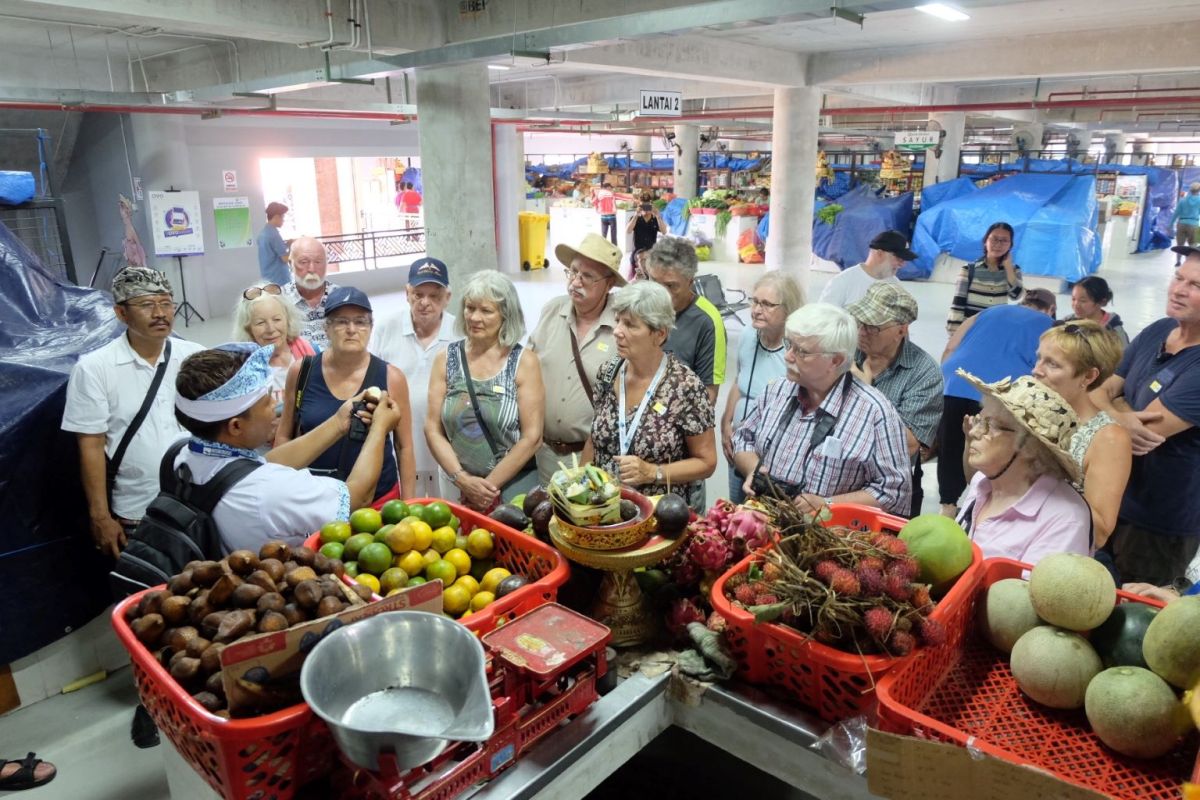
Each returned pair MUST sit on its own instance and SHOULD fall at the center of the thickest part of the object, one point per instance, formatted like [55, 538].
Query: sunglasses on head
[255, 292]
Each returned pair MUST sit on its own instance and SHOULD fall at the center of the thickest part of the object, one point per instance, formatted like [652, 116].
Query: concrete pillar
[793, 180]
[939, 169]
[1115, 146]
[641, 147]
[687, 173]
[455, 132]
[510, 194]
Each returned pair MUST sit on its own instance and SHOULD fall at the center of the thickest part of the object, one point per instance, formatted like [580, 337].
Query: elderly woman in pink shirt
[1020, 503]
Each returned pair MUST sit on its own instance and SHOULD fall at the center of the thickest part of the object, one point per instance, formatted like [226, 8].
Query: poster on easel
[175, 223]
[232, 217]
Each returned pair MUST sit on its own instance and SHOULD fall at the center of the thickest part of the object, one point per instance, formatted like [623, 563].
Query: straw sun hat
[594, 247]
[1039, 410]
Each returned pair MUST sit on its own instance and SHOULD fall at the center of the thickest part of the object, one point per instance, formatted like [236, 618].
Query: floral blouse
[679, 409]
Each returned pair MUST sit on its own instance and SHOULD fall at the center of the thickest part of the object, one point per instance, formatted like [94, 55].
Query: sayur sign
[917, 140]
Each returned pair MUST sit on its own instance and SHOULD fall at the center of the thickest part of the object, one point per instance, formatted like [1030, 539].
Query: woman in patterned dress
[654, 428]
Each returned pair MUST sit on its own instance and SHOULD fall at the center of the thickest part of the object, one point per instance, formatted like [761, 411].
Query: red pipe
[1016, 106]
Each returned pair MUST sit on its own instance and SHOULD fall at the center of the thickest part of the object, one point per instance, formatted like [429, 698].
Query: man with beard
[309, 289]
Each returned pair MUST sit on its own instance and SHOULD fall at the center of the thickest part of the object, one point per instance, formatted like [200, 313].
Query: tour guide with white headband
[223, 399]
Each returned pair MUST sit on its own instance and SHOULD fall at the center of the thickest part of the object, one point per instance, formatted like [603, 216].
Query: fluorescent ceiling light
[943, 11]
[498, 66]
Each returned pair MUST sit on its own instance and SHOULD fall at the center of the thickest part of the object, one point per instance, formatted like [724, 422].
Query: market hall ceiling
[569, 55]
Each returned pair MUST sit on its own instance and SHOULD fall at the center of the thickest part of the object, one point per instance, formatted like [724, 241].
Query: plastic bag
[749, 247]
[845, 743]
[16, 187]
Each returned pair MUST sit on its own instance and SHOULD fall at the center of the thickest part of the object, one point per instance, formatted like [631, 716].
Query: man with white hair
[1187, 219]
[824, 436]
[309, 288]
[698, 339]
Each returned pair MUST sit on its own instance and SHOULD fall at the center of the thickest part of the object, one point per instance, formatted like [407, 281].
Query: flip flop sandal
[24, 778]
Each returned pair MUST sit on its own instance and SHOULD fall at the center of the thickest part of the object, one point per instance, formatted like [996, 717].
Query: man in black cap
[272, 249]
[411, 340]
[889, 250]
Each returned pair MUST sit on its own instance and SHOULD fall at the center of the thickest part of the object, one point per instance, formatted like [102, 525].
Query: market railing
[370, 247]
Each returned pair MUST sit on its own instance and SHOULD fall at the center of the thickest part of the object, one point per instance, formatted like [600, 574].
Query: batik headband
[237, 395]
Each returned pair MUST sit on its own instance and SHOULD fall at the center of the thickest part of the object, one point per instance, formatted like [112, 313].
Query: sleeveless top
[497, 397]
[319, 404]
[1084, 434]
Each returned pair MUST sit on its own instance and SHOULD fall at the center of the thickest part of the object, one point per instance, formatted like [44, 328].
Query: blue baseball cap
[346, 296]
[428, 270]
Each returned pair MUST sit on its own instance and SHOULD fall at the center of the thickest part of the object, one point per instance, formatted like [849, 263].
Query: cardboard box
[904, 768]
[262, 672]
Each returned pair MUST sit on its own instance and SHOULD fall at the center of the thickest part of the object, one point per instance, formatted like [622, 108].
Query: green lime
[335, 532]
[375, 558]
[453, 522]
[416, 510]
[333, 550]
[393, 511]
[366, 520]
[381, 534]
[352, 568]
[416, 580]
[355, 544]
[437, 514]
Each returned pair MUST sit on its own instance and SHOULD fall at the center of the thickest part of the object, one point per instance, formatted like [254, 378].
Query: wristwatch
[658, 475]
[454, 478]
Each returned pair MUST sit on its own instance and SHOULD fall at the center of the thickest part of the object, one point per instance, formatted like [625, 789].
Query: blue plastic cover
[764, 226]
[936, 193]
[1054, 217]
[46, 551]
[865, 216]
[673, 215]
[16, 187]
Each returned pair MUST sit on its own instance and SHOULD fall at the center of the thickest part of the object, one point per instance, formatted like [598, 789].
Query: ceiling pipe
[1026, 105]
[1090, 92]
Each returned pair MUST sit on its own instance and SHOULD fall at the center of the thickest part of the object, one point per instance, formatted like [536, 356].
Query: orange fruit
[460, 560]
[455, 600]
[430, 556]
[492, 578]
[370, 581]
[401, 538]
[411, 562]
[335, 532]
[381, 534]
[355, 545]
[480, 543]
[366, 520]
[392, 579]
[482, 600]
[443, 539]
[422, 535]
[443, 571]
[469, 583]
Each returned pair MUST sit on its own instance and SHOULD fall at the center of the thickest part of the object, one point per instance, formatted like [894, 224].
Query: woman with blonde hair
[262, 316]
[1074, 359]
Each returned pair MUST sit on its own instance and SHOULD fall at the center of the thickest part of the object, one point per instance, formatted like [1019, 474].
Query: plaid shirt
[865, 449]
[314, 318]
[913, 382]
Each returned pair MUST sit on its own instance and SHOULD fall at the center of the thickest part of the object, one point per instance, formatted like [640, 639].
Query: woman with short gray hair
[654, 426]
[486, 402]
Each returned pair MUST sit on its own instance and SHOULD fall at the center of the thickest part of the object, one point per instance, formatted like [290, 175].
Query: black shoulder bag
[113, 465]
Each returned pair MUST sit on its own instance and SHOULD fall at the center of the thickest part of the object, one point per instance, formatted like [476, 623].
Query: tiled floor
[86, 733]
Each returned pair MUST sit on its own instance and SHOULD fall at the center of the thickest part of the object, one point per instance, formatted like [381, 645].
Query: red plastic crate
[966, 692]
[268, 757]
[835, 683]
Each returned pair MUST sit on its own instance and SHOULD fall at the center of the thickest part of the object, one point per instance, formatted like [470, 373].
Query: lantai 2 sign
[661, 104]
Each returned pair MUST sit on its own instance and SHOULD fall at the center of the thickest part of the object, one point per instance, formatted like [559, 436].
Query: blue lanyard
[627, 436]
[219, 450]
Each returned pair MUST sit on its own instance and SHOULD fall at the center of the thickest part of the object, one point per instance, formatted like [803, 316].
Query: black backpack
[177, 527]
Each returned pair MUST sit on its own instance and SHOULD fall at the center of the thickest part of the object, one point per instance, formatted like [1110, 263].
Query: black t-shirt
[645, 232]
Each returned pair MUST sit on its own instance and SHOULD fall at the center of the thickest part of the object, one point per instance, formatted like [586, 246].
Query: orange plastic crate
[967, 693]
[268, 757]
[835, 683]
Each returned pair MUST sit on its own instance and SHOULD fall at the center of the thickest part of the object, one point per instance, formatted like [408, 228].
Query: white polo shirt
[394, 341]
[272, 503]
[105, 391]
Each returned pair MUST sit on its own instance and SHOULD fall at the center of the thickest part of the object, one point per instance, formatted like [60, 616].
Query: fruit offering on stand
[1064, 627]
[857, 591]
[211, 604]
[585, 495]
[423, 543]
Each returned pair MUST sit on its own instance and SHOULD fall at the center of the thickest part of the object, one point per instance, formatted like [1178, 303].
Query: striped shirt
[980, 287]
[913, 383]
[864, 450]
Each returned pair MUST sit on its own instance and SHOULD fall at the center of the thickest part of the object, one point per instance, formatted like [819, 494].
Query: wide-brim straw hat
[594, 247]
[1038, 409]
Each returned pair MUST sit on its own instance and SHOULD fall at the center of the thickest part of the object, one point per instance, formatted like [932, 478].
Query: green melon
[1172, 643]
[1053, 667]
[941, 547]
[1006, 613]
[1072, 591]
[1133, 711]
[1118, 641]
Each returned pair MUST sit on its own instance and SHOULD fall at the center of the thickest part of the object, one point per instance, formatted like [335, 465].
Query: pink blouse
[1050, 518]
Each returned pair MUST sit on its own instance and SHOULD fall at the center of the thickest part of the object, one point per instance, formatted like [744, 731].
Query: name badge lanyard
[627, 435]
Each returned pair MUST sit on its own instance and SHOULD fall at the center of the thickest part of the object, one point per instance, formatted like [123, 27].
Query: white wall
[580, 143]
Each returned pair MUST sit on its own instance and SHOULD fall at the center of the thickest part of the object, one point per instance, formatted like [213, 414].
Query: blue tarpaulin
[673, 215]
[622, 163]
[936, 193]
[1054, 217]
[864, 217]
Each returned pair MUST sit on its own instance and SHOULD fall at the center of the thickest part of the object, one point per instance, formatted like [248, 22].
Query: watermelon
[1118, 641]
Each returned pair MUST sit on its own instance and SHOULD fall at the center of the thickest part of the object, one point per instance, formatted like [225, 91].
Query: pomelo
[1006, 613]
[941, 547]
[1053, 667]
[1133, 711]
[1072, 591]
[1172, 644]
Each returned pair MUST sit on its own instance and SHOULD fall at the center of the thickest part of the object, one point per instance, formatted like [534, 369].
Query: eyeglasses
[584, 278]
[801, 354]
[349, 322]
[255, 292]
[988, 427]
[875, 330]
[764, 304]
[150, 306]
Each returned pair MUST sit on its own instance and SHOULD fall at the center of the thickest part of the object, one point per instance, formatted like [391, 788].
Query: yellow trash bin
[534, 229]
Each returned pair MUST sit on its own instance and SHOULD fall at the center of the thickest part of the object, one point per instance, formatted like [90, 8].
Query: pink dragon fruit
[709, 551]
[682, 611]
[720, 514]
[687, 573]
[748, 531]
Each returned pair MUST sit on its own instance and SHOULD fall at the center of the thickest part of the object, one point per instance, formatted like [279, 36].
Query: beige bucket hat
[1038, 409]
[594, 247]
